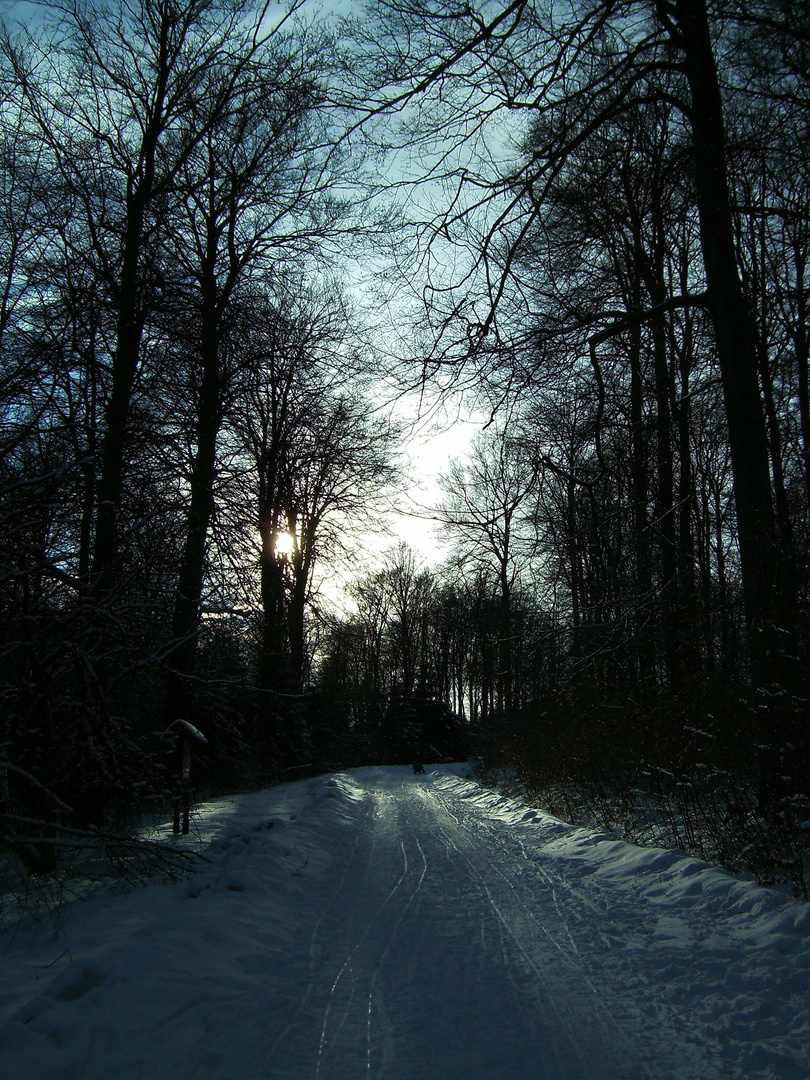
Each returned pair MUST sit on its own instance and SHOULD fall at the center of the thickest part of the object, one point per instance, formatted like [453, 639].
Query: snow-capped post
[186, 736]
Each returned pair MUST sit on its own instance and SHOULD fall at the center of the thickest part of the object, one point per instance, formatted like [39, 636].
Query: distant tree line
[425, 647]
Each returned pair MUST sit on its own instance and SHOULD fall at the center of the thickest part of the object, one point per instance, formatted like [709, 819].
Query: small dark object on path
[418, 768]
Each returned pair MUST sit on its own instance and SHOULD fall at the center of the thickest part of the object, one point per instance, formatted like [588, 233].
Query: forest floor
[398, 927]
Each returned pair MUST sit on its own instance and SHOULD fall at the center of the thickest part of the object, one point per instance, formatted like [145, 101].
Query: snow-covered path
[388, 926]
[432, 959]
[438, 957]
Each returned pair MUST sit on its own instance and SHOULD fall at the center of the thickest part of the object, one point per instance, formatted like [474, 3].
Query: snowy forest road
[376, 925]
[454, 945]
[443, 953]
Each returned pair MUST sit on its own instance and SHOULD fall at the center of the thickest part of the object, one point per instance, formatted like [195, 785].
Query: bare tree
[253, 198]
[121, 98]
[568, 74]
[319, 462]
[485, 509]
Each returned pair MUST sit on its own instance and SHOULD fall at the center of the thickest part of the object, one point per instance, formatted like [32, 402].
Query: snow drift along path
[380, 925]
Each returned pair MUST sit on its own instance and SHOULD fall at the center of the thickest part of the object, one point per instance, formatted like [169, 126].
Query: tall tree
[121, 98]
[253, 198]
[318, 461]
[569, 73]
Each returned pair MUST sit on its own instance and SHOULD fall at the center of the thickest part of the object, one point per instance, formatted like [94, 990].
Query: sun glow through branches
[285, 545]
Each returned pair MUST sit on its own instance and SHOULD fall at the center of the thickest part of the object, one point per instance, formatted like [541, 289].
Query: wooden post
[186, 783]
[187, 734]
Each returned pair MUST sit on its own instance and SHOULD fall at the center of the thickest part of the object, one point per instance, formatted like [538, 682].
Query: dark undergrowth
[673, 782]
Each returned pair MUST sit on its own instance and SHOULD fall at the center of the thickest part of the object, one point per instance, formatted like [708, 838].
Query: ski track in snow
[375, 925]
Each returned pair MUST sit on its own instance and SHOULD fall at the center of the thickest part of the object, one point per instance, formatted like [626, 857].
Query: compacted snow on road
[376, 924]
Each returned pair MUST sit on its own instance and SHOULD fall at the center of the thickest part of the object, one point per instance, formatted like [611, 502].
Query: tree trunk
[302, 566]
[273, 662]
[505, 674]
[129, 330]
[187, 607]
[760, 556]
[801, 345]
[689, 645]
[639, 493]
[770, 602]
[665, 485]
[124, 367]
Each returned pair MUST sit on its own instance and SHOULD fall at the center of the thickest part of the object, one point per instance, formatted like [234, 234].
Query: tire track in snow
[261, 1064]
[421, 928]
[390, 934]
[442, 940]
[387, 950]
[560, 978]
[618, 1012]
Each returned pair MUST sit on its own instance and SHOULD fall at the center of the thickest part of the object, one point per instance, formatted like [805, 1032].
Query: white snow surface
[376, 924]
